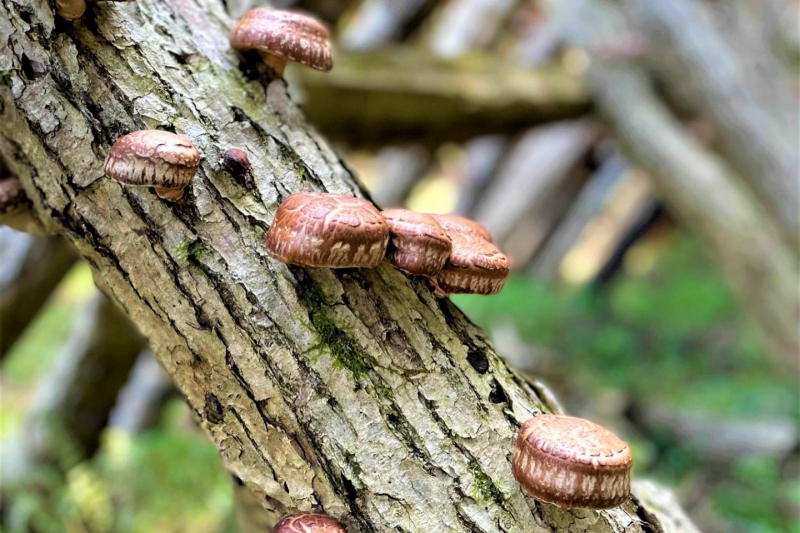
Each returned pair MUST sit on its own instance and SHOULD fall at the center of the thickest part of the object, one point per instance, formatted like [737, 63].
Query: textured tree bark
[351, 391]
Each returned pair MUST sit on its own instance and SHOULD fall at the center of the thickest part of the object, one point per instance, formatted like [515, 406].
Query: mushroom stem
[170, 195]
[276, 63]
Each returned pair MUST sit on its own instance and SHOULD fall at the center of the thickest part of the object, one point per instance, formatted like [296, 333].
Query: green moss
[189, 250]
[484, 488]
[352, 462]
[346, 353]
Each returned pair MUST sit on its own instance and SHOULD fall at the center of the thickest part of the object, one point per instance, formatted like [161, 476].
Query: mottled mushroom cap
[459, 224]
[308, 523]
[475, 266]
[293, 36]
[572, 462]
[328, 230]
[417, 243]
[153, 158]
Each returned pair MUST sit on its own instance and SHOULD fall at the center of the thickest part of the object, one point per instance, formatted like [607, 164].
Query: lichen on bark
[354, 391]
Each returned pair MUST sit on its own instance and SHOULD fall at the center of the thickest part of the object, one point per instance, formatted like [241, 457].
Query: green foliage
[167, 480]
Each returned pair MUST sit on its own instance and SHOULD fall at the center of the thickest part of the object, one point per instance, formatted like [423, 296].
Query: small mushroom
[315, 229]
[572, 462]
[71, 9]
[236, 163]
[417, 243]
[154, 158]
[475, 266]
[74, 9]
[308, 523]
[455, 223]
[281, 36]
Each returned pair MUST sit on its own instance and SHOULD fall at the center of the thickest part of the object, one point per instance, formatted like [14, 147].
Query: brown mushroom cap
[284, 34]
[459, 224]
[308, 523]
[154, 158]
[71, 9]
[328, 230]
[417, 243]
[475, 266]
[572, 462]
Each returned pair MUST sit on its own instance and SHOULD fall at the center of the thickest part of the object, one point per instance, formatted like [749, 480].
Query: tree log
[698, 186]
[32, 268]
[398, 95]
[73, 402]
[353, 391]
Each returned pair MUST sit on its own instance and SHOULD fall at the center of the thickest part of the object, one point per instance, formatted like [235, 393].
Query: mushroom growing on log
[459, 224]
[475, 266]
[572, 462]
[154, 158]
[417, 243]
[308, 523]
[315, 229]
[281, 36]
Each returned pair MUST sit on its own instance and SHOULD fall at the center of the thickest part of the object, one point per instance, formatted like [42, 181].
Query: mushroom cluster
[562, 460]
[572, 462]
[313, 229]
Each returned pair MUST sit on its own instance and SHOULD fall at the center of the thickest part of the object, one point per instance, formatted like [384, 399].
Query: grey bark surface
[73, 402]
[32, 267]
[354, 392]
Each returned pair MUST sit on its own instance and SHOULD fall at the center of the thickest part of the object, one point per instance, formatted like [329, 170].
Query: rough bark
[73, 402]
[32, 268]
[351, 391]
